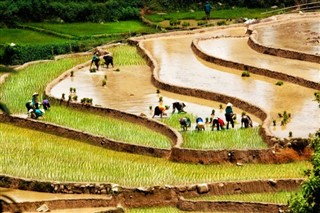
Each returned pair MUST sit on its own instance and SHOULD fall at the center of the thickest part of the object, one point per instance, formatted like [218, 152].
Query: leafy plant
[308, 199]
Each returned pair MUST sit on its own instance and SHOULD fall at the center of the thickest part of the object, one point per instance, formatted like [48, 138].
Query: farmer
[229, 115]
[35, 101]
[199, 124]
[108, 59]
[217, 122]
[45, 104]
[207, 9]
[245, 120]
[95, 59]
[160, 110]
[185, 123]
[179, 106]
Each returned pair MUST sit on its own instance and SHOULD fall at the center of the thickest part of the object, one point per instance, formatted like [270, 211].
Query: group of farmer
[33, 106]
[106, 55]
[215, 121]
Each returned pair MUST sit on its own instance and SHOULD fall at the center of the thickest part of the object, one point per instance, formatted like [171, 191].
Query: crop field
[28, 153]
[224, 139]
[22, 36]
[47, 157]
[90, 29]
[215, 14]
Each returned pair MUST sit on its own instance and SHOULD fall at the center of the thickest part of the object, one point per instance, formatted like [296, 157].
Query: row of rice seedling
[33, 154]
[271, 197]
[224, 139]
[126, 55]
[108, 127]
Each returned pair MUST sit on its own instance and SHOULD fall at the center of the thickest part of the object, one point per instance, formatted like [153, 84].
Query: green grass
[215, 14]
[276, 197]
[224, 139]
[33, 154]
[20, 36]
[90, 29]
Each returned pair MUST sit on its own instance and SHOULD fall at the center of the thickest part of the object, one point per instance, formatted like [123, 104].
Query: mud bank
[252, 69]
[299, 43]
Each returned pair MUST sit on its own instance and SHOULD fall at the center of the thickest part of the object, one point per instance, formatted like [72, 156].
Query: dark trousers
[229, 119]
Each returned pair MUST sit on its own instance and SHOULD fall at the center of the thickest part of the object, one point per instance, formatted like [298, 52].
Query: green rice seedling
[245, 74]
[270, 197]
[248, 138]
[104, 82]
[220, 23]
[107, 127]
[279, 83]
[49, 157]
[185, 24]
[126, 55]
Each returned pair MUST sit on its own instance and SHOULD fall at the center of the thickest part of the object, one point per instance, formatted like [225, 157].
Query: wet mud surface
[299, 35]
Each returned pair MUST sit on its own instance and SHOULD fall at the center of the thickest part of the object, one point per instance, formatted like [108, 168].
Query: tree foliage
[109, 10]
[308, 200]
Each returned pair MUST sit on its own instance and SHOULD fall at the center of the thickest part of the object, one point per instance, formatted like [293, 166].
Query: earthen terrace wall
[256, 70]
[280, 52]
[156, 195]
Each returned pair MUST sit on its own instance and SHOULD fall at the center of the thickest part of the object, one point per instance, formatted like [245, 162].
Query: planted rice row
[33, 154]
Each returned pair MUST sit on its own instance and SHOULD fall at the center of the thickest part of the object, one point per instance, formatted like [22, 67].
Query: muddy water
[30, 196]
[179, 66]
[237, 50]
[131, 90]
[300, 35]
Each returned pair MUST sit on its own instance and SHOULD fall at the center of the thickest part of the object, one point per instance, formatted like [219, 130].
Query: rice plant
[126, 55]
[108, 127]
[248, 138]
[33, 154]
